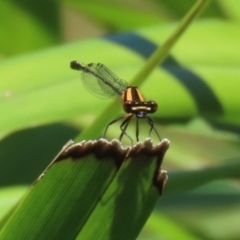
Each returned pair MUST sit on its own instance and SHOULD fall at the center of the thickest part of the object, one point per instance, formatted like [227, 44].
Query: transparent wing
[101, 82]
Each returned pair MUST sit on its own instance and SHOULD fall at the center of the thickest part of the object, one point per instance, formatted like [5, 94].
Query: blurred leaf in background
[28, 26]
[43, 103]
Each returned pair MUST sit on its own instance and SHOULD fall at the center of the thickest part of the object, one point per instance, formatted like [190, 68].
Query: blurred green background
[43, 103]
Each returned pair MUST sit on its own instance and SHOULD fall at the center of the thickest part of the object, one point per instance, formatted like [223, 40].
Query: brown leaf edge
[114, 150]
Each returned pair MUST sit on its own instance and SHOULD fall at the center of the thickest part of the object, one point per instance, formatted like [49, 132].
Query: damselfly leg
[123, 126]
[150, 122]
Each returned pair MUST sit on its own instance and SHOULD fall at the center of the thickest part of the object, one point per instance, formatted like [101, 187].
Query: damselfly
[103, 83]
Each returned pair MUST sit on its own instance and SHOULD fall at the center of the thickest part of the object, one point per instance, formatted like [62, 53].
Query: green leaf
[77, 180]
[24, 29]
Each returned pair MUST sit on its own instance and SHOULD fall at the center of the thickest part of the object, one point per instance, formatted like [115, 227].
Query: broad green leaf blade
[74, 184]
[191, 151]
[62, 199]
[129, 200]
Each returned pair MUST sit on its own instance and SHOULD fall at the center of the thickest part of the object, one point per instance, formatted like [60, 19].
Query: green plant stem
[157, 57]
[162, 51]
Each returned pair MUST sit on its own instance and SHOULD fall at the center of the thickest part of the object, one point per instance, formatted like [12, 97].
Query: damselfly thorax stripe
[132, 94]
[103, 83]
